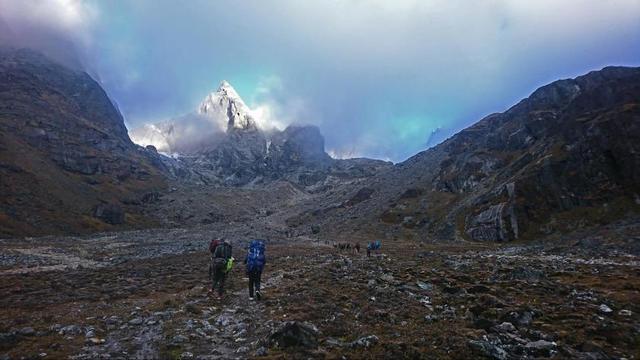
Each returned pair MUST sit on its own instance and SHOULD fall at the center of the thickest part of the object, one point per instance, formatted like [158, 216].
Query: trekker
[212, 248]
[219, 261]
[255, 261]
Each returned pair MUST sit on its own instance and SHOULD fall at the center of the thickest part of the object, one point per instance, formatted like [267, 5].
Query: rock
[365, 342]
[424, 286]
[179, 339]
[27, 331]
[362, 195]
[262, 351]
[430, 318]
[526, 274]
[70, 330]
[386, 278]
[7, 339]
[186, 355]
[518, 318]
[490, 224]
[242, 350]
[136, 321]
[295, 334]
[113, 320]
[110, 213]
[625, 312]
[224, 320]
[603, 308]
[488, 349]
[505, 327]
[541, 347]
[96, 341]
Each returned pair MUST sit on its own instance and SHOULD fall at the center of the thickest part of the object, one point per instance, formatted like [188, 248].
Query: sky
[382, 79]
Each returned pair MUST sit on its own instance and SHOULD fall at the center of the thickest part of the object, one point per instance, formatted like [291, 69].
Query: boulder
[295, 334]
[110, 213]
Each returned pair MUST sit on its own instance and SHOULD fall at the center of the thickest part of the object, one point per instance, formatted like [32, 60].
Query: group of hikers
[355, 247]
[222, 261]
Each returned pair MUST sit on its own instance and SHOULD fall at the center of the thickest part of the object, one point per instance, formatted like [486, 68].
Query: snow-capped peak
[226, 108]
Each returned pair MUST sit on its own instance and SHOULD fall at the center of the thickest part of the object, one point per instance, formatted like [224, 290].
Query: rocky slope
[66, 162]
[565, 157]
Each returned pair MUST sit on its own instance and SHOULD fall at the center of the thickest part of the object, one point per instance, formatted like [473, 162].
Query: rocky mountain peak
[227, 109]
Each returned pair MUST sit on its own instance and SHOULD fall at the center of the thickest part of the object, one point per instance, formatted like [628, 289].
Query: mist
[381, 79]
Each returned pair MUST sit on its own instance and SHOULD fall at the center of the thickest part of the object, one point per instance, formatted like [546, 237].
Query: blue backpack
[255, 256]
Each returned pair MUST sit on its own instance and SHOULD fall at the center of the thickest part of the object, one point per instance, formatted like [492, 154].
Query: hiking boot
[250, 298]
[258, 295]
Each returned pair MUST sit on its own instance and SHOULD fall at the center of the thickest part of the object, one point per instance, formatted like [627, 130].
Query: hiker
[212, 248]
[369, 250]
[219, 262]
[255, 261]
[356, 248]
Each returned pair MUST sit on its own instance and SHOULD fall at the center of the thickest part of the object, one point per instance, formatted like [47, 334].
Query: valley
[144, 294]
[517, 237]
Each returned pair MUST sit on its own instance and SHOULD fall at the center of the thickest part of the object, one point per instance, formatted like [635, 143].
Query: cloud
[273, 107]
[62, 29]
[378, 77]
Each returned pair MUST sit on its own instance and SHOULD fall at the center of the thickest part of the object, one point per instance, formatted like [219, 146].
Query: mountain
[221, 143]
[219, 112]
[67, 164]
[566, 157]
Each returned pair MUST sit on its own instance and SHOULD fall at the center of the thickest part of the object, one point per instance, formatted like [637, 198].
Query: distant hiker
[373, 246]
[219, 263]
[356, 248]
[255, 261]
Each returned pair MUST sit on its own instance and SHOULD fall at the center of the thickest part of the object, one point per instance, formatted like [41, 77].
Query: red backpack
[213, 245]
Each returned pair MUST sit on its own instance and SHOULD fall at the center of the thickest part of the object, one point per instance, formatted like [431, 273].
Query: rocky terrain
[144, 294]
[518, 237]
[565, 157]
[66, 162]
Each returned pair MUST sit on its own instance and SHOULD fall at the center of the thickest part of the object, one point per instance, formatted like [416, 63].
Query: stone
[625, 312]
[424, 286]
[27, 331]
[110, 213]
[365, 342]
[136, 321]
[179, 339]
[505, 327]
[541, 347]
[262, 351]
[7, 339]
[431, 318]
[488, 349]
[70, 330]
[603, 308]
[295, 334]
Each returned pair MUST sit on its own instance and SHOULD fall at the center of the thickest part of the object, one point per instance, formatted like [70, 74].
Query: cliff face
[67, 164]
[565, 157]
